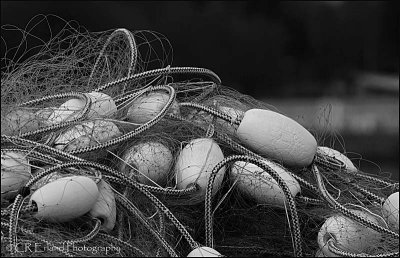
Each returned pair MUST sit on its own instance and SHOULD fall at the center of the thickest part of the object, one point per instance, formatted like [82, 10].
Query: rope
[334, 249]
[135, 211]
[346, 212]
[213, 111]
[144, 127]
[163, 71]
[296, 235]
[133, 49]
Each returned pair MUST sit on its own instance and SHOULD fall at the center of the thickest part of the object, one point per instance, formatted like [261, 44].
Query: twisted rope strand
[345, 211]
[296, 235]
[162, 71]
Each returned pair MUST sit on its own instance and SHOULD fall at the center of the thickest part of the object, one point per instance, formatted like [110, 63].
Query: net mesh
[156, 217]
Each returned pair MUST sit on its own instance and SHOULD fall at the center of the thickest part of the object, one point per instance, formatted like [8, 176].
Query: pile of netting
[107, 150]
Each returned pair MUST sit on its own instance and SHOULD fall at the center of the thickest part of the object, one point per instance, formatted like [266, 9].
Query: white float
[65, 199]
[258, 184]
[390, 210]
[347, 234]
[47, 179]
[44, 114]
[339, 156]
[146, 107]
[15, 173]
[195, 163]
[19, 121]
[105, 207]
[277, 137]
[204, 251]
[102, 106]
[86, 134]
[150, 160]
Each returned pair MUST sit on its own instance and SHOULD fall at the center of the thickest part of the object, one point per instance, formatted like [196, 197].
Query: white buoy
[390, 210]
[277, 137]
[102, 106]
[44, 114]
[19, 121]
[195, 163]
[339, 156]
[105, 207]
[151, 161]
[48, 179]
[86, 134]
[146, 107]
[258, 184]
[15, 173]
[65, 199]
[348, 235]
[69, 110]
[204, 251]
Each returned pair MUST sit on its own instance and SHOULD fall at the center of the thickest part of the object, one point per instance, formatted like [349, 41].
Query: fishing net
[109, 107]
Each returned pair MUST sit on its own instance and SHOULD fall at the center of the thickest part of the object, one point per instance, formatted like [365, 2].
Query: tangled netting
[58, 141]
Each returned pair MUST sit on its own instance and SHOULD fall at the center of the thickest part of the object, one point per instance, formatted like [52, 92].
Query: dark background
[296, 52]
[254, 46]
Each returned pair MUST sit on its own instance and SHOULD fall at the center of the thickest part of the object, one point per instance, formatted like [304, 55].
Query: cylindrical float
[204, 251]
[102, 106]
[277, 137]
[15, 173]
[65, 199]
[86, 134]
[347, 234]
[195, 163]
[19, 121]
[390, 210]
[146, 107]
[147, 162]
[259, 184]
[105, 208]
[339, 156]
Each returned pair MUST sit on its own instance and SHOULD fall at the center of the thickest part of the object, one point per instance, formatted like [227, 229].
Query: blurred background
[333, 66]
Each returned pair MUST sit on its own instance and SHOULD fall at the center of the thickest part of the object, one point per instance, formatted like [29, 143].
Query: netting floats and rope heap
[103, 156]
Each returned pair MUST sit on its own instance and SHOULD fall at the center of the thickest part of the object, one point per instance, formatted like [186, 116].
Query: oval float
[347, 234]
[15, 173]
[390, 210]
[277, 137]
[150, 160]
[146, 107]
[65, 199]
[19, 121]
[102, 106]
[195, 163]
[86, 134]
[339, 156]
[259, 184]
[44, 114]
[204, 251]
[105, 207]
[67, 111]
[48, 179]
